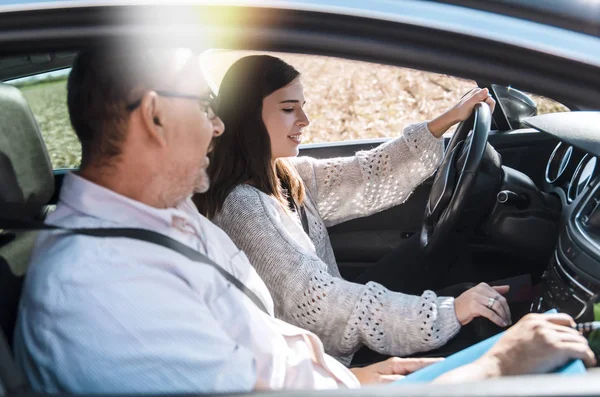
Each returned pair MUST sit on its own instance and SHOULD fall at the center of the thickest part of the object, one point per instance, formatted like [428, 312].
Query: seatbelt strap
[304, 220]
[148, 236]
[299, 209]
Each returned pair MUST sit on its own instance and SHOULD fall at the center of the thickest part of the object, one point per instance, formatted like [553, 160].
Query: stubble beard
[186, 185]
[202, 182]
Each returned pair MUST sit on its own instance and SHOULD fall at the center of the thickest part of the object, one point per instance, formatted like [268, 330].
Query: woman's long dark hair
[243, 153]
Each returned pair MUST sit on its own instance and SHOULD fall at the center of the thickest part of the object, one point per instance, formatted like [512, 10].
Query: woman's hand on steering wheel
[483, 301]
[461, 111]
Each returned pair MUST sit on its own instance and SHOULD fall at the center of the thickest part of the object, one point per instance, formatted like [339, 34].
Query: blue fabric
[471, 354]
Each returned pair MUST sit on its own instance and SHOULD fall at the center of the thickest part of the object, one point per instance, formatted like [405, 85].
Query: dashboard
[569, 172]
[571, 282]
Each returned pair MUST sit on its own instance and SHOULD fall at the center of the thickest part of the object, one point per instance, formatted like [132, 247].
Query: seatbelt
[304, 220]
[148, 236]
[299, 209]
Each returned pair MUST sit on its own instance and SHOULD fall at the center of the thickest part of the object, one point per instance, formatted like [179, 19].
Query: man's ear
[151, 114]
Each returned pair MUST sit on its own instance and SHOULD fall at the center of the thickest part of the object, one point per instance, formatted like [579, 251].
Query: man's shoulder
[63, 254]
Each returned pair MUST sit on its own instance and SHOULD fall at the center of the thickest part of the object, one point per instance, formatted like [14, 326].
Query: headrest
[26, 179]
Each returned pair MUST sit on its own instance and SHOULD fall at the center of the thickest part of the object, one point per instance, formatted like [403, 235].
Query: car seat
[26, 186]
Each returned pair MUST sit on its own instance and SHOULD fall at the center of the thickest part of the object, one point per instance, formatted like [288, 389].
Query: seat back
[26, 186]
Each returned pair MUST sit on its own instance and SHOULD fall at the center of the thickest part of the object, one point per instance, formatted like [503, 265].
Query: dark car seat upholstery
[26, 185]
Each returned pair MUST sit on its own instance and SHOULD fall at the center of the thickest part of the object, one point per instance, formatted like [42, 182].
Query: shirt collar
[99, 202]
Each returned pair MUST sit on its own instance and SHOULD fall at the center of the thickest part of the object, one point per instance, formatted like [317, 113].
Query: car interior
[530, 217]
[507, 229]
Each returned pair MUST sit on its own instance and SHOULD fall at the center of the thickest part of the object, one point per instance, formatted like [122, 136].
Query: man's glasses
[207, 102]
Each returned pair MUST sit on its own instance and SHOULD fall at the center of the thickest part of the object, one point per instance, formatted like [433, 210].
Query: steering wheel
[455, 178]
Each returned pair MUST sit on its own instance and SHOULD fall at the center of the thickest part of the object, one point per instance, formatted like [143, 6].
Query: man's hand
[391, 369]
[461, 111]
[538, 343]
[483, 301]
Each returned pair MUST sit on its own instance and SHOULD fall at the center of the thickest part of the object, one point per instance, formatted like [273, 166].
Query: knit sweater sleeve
[346, 188]
[344, 315]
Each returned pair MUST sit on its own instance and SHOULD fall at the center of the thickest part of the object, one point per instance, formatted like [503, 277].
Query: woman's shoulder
[246, 199]
[248, 211]
[243, 193]
[243, 190]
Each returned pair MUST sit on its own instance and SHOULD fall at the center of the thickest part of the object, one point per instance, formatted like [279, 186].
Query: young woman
[276, 208]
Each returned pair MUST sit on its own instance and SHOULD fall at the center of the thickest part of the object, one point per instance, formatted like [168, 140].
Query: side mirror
[516, 104]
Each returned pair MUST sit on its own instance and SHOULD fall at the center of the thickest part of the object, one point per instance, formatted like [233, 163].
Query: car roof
[578, 15]
[451, 16]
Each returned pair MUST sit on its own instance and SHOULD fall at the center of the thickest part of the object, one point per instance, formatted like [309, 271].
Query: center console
[571, 283]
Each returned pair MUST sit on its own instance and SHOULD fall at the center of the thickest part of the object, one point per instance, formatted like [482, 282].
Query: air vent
[586, 169]
[590, 213]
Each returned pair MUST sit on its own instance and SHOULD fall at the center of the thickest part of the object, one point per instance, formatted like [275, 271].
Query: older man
[120, 315]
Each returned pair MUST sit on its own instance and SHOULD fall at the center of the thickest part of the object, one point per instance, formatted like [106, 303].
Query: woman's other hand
[483, 301]
[461, 111]
[391, 369]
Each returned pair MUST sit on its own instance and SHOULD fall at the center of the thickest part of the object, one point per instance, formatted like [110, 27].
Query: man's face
[188, 130]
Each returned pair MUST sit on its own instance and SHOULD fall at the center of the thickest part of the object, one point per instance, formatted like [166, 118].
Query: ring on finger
[491, 302]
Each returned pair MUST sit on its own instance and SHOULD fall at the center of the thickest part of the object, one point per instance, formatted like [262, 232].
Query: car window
[46, 94]
[547, 105]
[348, 100]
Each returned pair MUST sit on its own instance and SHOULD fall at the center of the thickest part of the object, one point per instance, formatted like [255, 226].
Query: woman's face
[284, 117]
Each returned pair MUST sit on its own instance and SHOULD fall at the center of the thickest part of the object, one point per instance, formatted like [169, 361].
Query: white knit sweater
[301, 272]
